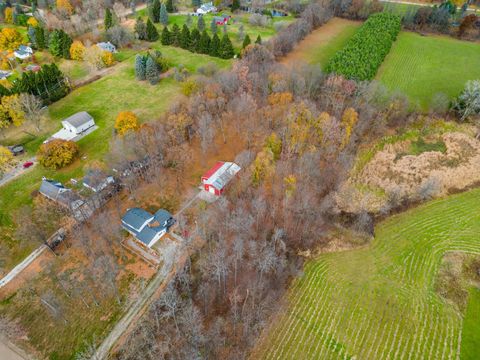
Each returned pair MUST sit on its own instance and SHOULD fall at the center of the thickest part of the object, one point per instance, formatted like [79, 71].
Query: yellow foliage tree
[126, 121]
[349, 119]
[108, 59]
[10, 39]
[57, 153]
[290, 183]
[263, 166]
[8, 15]
[32, 22]
[282, 98]
[12, 107]
[274, 144]
[77, 50]
[6, 158]
[65, 6]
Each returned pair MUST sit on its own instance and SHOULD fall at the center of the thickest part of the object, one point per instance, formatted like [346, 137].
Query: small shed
[217, 178]
[23, 52]
[107, 46]
[220, 20]
[78, 123]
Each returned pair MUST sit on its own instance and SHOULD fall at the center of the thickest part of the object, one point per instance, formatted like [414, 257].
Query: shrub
[189, 87]
[57, 153]
[365, 51]
[119, 36]
[6, 158]
[77, 50]
[107, 58]
[258, 20]
[10, 39]
[468, 103]
[126, 121]
[32, 22]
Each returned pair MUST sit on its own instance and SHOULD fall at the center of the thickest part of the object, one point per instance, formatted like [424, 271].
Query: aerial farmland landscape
[237, 179]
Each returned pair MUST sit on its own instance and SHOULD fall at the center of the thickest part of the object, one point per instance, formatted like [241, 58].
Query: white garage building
[75, 127]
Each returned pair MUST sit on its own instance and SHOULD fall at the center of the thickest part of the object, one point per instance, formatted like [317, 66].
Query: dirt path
[322, 35]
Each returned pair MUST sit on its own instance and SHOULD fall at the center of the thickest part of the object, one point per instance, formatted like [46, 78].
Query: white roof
[63, 134]
[220, 178]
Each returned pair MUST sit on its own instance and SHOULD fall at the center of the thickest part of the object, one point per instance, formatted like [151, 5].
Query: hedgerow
[363, 54]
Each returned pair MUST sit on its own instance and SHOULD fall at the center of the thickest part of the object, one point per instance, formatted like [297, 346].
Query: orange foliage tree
[77, 50]
[65, 6]
[126, 121]
[57, 153]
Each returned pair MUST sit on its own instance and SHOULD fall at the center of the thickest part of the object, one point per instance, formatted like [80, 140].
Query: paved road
[23, 265]
[17, 170]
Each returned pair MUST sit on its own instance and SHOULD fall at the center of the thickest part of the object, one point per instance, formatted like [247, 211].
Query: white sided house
[216, 179]
[107, 46]
[74, 127]
[23, 52]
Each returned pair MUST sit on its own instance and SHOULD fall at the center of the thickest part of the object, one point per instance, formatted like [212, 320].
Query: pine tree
[154, 11]
[194, 40]
[141, 29]
[246, 41]
[201, 24]
[259, 40]
[140, 67]
[108, 21]
[213, 26]
[204, 43]
[185, 37]
[170, 7]
[175, 35]
[166, 38]
[152, 33]
[40, 38]
[235, 5]
[66, 43]
[226, 48]
[163, 15]
[151, 71]
[214, 49]
[60, 43]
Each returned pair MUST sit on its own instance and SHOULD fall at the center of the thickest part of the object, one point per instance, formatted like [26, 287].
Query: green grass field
[471, 327]
[103, 99]
[378, 302]
[422, 66]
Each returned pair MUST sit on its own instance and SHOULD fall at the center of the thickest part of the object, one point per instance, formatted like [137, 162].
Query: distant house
[23, 52]
[216, 179]
[206, 8]
[107, 46]
[55, 191]
[220, 20]
[96, 180]
[32, 67]
[145, 227]
[4, 74]
[74, 126]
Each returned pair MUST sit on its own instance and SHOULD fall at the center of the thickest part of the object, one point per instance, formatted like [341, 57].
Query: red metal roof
[212, 171]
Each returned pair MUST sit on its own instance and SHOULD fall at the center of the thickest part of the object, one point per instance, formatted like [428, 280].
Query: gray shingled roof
[79, 119]
[136, 217]
[57, 192]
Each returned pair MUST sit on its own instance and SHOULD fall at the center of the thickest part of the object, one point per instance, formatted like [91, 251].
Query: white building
[23, 52]
[107, 46]
[74, 126]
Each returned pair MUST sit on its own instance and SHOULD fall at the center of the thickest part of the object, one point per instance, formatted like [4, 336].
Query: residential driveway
[17, 171]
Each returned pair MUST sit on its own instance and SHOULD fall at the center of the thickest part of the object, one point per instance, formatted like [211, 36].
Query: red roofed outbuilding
[216, 179]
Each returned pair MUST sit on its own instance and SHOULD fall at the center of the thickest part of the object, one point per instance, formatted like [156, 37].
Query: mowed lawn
[103, 99]
[422, 66]
[320, 46]
[471, 328]
[379, 302]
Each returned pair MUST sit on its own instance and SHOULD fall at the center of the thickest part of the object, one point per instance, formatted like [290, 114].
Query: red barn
[216, 179]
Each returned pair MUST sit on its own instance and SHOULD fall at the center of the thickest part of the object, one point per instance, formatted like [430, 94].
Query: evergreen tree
[166, 38]
[140, 67]
[213, 26]
[175, 35]
[152, 33]
[214, 49]
[259, 40]
[40, 38]
[170, 7]
[66, 44]
[196, 4]
[226, 48]
[235, 5]
[204, 43]
[151, 71]
[201, 24]
[60, 43]
[185, 37]
[195, 40]
[246, 41]
[154, 11]
[108, 21]
[163, 15]
[141, 29]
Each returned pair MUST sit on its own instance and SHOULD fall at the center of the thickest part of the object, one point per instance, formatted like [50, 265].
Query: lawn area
[320, 46]
[378, 301]
[233, 26]
[471, 327]
[103, 99]
[422, 66]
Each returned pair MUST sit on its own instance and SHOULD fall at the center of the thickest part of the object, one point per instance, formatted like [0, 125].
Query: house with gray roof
[75, 127]
[55, 191]
[145, 227]
[97, 180]
[107, 46]
[23, 52]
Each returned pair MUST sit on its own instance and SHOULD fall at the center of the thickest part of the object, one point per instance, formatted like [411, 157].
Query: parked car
[27, 164]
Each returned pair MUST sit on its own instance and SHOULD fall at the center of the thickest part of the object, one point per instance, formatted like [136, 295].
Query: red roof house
[216, 179]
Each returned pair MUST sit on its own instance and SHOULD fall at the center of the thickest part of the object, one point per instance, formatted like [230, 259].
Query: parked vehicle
[27, 164]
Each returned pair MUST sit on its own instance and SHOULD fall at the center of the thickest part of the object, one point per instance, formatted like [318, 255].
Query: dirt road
[10, 352]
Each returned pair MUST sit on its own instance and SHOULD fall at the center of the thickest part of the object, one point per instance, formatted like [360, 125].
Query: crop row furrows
[379, 317]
